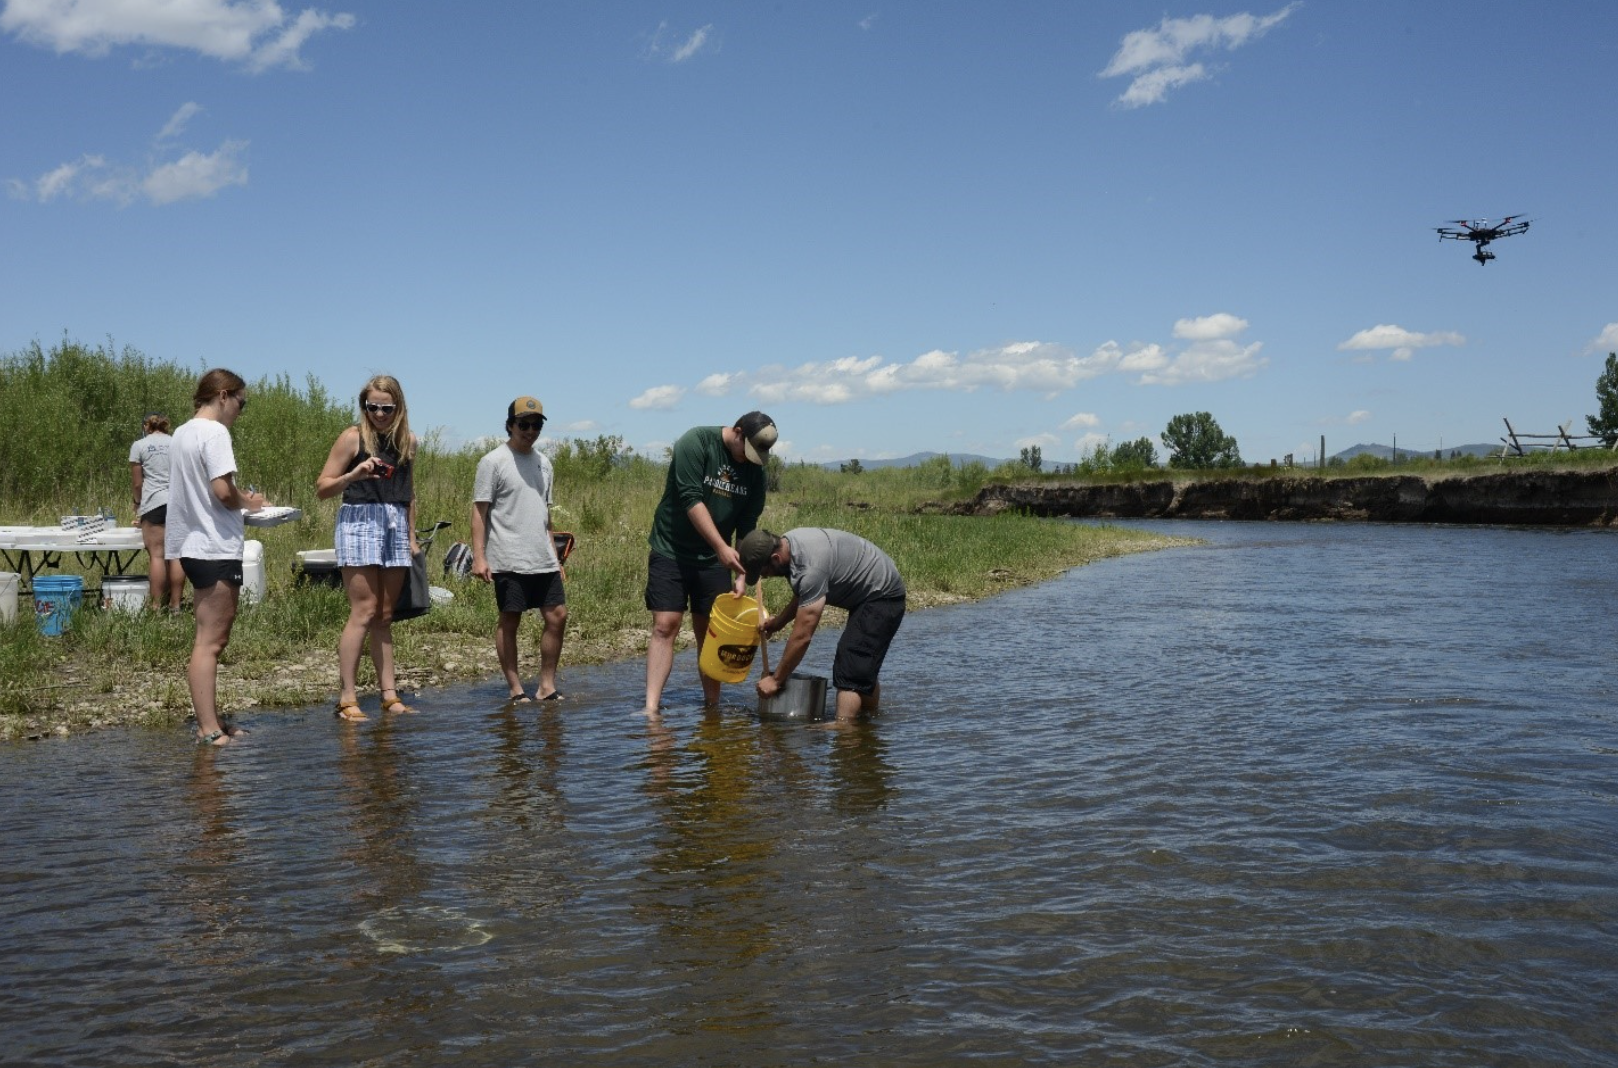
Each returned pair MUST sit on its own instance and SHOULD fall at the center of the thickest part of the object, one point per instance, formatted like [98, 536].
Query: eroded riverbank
[1525, 498]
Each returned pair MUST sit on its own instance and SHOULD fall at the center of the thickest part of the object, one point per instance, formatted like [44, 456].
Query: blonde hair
[398, 438]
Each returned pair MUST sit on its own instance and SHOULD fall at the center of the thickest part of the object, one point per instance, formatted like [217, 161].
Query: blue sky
[896, 227]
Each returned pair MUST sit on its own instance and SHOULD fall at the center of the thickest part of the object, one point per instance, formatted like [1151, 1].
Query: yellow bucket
[732, 641]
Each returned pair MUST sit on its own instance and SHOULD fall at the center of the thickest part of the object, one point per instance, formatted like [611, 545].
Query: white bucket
[252, 571]
[9, 581]
[125, 593]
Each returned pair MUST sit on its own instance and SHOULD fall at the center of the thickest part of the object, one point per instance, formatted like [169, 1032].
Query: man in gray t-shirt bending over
[825, 566]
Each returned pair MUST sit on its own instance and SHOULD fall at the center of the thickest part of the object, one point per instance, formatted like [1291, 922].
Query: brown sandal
[350, 711]
[394, 705]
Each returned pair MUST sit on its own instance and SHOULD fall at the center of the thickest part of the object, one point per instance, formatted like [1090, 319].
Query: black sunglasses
[381, 409]
[531, 424]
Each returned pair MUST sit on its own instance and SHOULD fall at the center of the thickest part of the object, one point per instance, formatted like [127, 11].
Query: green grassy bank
[75, 411]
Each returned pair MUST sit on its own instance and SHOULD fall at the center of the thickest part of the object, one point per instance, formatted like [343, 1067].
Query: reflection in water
[522, 833]
[204, 872]
[703, 886]
[1295, 796]
[381, 802]
[861, 777]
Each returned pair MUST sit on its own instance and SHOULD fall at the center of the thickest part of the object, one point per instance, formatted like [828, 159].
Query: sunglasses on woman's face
[380, 409]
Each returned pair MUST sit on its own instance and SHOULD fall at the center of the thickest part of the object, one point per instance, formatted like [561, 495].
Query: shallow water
[1323, 795]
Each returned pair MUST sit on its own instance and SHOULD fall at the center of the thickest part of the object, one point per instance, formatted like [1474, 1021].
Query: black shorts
[204, 573]
[157, 517]
[670, 585]
[518, 592]
[864, 644]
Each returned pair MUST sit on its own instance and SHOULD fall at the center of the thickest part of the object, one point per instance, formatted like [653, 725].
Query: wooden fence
[1517, 444]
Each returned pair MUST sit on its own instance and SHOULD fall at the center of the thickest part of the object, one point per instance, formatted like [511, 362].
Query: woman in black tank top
[371, 465]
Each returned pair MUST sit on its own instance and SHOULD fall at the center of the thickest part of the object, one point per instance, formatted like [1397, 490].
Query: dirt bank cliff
[1548, 498]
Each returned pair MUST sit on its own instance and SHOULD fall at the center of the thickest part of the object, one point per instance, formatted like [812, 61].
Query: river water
[1299, 795]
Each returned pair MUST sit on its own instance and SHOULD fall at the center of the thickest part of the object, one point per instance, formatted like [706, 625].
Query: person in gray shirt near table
[512, 546]
[825, 566]
[149, 482]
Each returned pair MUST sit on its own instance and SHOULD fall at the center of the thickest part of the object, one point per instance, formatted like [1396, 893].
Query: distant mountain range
[916, 459]
[1385, 452]
[1382, 452]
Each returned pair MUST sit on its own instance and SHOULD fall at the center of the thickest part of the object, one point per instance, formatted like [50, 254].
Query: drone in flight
[1480, 233]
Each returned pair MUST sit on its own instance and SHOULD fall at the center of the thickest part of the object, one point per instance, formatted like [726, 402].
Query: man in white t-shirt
[512, 547]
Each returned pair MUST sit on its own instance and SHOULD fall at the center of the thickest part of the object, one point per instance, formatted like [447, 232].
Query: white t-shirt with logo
[199, 526]
[152, 453]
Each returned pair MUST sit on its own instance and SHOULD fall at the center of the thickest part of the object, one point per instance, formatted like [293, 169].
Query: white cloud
[1209, 327]
[1606, 341]
[1209, 361]
[679, 51]
[692, 45]
[1087, 444]
[716, 385]
[255, 33]
[1157, 59]
[1082, 419]
[59, 181]
[658, 398]
[1043, 441]
[1358, 416]
[1019, 366]
[1153, 86]
[1402, 342]
[178, 121]
[192, 176]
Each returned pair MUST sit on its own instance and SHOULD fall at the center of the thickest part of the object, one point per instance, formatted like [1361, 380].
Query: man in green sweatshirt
[714, 493]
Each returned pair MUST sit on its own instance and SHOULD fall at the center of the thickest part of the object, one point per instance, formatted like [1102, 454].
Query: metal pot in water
[801, 697]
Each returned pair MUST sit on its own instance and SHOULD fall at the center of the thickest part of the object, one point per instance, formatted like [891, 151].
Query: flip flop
[519, 699]
[554, 695]
[348, 710]
[212, 739]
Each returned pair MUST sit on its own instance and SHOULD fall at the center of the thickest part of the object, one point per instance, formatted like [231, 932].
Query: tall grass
[73, 412]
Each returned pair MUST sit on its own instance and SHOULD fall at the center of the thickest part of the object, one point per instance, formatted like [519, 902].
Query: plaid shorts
[373, 535]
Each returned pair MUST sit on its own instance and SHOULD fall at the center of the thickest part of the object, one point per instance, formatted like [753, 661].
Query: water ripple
[1293, 796]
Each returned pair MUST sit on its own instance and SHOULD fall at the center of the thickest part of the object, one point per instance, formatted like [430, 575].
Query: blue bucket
[55, 599]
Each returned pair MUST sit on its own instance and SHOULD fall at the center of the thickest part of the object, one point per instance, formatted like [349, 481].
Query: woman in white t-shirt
[206, 534]
[149, 481]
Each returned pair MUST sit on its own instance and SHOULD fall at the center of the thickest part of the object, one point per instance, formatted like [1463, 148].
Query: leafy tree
[1604, 425]
[853, 467]
[1139, 453]
[1195, 441]
[1032, 459]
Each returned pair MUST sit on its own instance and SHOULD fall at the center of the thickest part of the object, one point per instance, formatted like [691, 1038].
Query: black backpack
[458, 561]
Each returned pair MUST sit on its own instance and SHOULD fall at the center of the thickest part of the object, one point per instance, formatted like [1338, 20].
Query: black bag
[415, 596]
